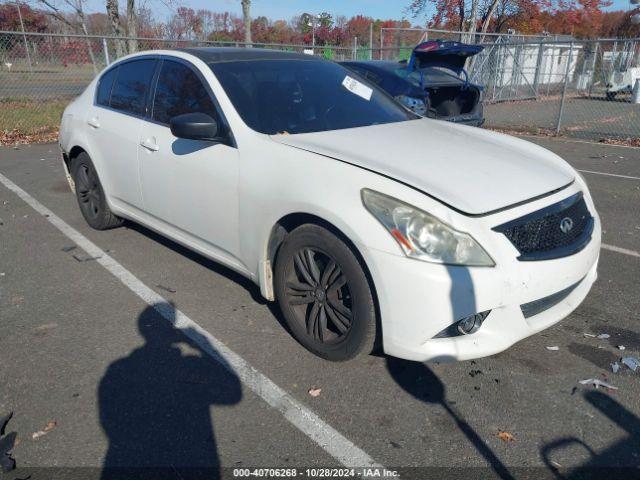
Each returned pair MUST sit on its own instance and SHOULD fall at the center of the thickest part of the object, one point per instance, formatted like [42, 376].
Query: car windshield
[302, 96]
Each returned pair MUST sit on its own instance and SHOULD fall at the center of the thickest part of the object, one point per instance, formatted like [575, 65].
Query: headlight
[423, 236]
[416, 105]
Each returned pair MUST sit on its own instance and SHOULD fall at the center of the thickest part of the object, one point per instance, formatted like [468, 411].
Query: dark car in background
[432, 83]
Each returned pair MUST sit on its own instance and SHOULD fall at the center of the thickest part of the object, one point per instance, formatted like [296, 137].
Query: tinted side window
[179, 90]
[131, 86]
[104, 87]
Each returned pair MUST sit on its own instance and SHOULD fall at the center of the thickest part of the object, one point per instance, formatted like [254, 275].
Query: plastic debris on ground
[314, 392]
[40, 433]
[615, 367]
[167, 289]
[621, 347]
[631, 362]
[68, 248]
[85, 258]
[553, 349]
[505, 436]
[603, 336]
[598, 383]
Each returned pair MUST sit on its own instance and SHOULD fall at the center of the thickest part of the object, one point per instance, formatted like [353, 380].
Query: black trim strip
[466, 214]
[543, 304]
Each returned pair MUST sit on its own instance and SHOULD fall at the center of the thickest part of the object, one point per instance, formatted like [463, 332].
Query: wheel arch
[67, 158]
[291, 221]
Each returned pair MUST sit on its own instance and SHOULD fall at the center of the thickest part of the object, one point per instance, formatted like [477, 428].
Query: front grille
[559, 230]
[538, 306]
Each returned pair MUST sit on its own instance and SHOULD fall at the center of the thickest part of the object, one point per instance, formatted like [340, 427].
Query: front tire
[90, 195]
[324, 294]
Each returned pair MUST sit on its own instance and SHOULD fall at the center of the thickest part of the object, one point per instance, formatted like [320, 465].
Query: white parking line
[609, 174]
[329, 439]
[625, 251]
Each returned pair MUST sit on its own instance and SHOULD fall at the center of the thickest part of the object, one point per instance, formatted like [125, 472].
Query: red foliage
[33, 20]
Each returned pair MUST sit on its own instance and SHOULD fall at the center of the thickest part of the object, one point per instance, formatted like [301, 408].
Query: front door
[190, 186]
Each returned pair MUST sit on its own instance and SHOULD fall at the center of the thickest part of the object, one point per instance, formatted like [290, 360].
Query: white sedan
[371, 227]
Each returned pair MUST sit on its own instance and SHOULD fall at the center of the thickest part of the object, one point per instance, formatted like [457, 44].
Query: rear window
[104, 87]
[132, 85]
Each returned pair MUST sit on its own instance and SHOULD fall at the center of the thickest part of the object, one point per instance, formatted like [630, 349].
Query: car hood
[474, 171]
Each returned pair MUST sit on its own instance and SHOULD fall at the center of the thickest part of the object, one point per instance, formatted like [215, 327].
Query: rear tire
[324, 294]
[90, 195]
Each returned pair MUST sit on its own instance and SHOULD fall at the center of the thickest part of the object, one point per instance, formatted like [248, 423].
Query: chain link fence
[540, 85]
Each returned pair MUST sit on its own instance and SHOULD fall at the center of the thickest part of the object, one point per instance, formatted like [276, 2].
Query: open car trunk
[452, 100]
[441, 66]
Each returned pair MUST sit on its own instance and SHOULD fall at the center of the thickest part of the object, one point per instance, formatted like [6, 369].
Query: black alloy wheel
[90, 195]
[318, 292]
[324, 294]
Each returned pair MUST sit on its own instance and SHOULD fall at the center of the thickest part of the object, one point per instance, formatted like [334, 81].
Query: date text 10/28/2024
[335, 473]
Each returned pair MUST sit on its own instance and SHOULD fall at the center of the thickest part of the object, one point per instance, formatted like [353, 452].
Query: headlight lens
[416, 105]
[422, 236]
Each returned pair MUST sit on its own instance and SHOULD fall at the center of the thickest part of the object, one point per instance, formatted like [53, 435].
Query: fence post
[371, 41]
[593, 67]
[354, 53]
[564, 90]
[536, 78]
[105, 49]
[24, 37]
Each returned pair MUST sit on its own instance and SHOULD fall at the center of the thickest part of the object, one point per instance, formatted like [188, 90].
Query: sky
[286, 9]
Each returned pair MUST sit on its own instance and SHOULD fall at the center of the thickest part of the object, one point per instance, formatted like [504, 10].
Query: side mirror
[195, 126]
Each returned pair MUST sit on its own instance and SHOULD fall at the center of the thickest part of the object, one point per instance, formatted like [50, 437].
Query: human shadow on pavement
[155, 405]
[619, 460]
[420, 382]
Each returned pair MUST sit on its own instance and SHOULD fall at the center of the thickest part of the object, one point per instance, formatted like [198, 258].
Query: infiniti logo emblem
[566, 224]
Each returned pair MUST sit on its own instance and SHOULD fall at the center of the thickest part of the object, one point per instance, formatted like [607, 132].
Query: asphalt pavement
[95, 376]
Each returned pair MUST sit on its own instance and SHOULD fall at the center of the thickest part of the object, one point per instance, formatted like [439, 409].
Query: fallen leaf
[40, 433]
[506, 436]
[44, 328]
[314, 392]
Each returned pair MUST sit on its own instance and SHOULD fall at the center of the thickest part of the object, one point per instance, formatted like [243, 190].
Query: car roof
[233, 54]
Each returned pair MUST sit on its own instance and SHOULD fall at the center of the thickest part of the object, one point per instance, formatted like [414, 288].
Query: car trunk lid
[444, 54]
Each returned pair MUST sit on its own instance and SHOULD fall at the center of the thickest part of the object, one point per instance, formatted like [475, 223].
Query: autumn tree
[33, 20]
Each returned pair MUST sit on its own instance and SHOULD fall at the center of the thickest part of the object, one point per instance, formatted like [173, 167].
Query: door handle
[150, 144]
[93, 122]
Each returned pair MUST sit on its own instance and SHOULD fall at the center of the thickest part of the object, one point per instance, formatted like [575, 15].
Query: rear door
[114, 123]
[190, 185]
